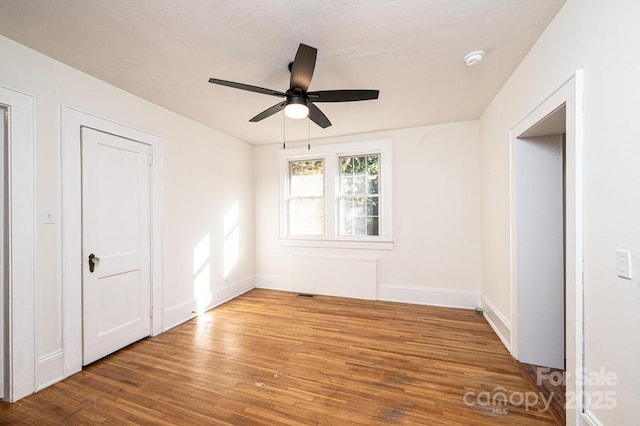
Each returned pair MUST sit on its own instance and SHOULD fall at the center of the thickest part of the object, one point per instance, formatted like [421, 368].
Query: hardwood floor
[272, 358]
[550, 383]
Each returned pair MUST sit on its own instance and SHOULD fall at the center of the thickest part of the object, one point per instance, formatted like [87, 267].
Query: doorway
[546, 224]
[540, 235]
[540, 264]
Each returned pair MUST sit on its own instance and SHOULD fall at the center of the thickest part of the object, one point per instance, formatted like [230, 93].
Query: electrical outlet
[623, 259]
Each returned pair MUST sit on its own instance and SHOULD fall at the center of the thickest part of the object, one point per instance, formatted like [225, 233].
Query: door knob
[93, 261]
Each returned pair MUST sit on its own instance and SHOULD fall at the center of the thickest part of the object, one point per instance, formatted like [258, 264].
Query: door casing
[73, 120]
[20, 279]
[569, 94]
[3, 231]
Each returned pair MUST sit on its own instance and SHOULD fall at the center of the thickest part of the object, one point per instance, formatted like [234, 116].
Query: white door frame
[21, 294]
[570, 94]
[72, 121]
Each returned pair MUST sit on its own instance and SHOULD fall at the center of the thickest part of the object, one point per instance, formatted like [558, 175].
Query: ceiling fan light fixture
[474, 58]
[296, 108]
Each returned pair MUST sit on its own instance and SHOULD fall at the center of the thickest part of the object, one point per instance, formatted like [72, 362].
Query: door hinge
[151, 311]
[151, 159]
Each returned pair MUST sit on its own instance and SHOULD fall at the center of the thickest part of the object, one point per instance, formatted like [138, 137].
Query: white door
[116, 285]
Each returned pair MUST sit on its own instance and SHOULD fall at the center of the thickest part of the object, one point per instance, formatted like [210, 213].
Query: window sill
[337, 244]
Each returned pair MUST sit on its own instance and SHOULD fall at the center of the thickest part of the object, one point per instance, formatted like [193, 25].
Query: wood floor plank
[271, 358]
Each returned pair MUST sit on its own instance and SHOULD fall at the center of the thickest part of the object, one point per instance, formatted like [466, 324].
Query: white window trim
[331, 153]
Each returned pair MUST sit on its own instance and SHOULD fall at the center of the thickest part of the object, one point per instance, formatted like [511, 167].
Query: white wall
[599, 37]
[206, 174]
[540, 250]
[435, 217]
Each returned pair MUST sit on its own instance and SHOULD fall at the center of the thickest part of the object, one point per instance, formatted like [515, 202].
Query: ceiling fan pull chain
[284, 135]
[308, 135]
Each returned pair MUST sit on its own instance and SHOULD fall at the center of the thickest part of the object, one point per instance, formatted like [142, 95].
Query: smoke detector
[474, 58]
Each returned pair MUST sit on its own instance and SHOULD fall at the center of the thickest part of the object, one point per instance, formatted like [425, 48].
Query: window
[337, 195]
[306, 197]
[359, 196]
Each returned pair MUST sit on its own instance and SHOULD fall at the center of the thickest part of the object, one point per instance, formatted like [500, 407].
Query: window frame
[331, 154]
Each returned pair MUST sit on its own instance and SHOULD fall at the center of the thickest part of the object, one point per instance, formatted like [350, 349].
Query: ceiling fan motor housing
[293, 98]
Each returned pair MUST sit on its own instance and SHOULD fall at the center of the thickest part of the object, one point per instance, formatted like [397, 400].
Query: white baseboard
[590, 419]
[394, 293]
[178, 313]
[428, 296]
[498, 322]
[232, 291]
[273, 282]
[50, 369]
[184, 311]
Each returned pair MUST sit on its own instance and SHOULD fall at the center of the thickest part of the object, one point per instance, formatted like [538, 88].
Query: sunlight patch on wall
[231, 239]
[202, 274]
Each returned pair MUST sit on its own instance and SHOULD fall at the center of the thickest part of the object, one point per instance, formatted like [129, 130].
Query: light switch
[47, 216]
[623, 259]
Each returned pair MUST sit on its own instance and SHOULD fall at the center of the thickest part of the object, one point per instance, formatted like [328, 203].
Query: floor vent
[305, 295]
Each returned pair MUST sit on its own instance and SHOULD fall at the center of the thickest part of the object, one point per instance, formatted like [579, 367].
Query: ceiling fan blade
[318, 116]
[343, 95]
[269, 112]
[248, 87]
[303, 66]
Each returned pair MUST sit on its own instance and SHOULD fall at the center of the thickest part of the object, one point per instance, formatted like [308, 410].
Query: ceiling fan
[299, 103]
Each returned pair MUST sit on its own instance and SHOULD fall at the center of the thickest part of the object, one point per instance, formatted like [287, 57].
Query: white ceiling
[165, 51]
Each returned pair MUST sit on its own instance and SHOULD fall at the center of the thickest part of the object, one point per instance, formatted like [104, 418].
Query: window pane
[372, 226]
[306, 216]
[346, 207]
[358, 207]
[372, 184]
[347, 185]
[359, 164]
[346, 165]
[359, 227]
[306, 178]
[359, 184]
[346, 225]
[306, 167]
[372, 206]
[372, 164]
